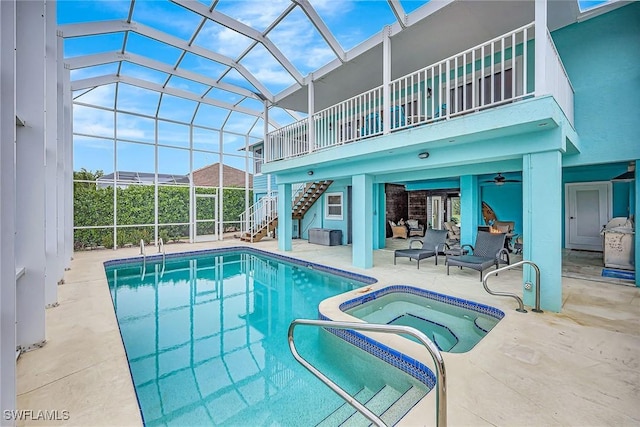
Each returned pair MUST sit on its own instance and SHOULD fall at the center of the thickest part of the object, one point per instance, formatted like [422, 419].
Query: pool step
[401, 406]
[378, 404]
[343, 412]
[388, 401]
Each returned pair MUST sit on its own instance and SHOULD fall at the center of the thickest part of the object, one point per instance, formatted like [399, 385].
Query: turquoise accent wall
[315, 216]
[506, 202]
[601, 58]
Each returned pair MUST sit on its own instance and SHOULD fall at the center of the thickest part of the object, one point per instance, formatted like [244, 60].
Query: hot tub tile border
[448, 299]
[407, 364]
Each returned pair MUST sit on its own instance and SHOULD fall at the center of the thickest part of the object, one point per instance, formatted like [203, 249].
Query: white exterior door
[587, 207]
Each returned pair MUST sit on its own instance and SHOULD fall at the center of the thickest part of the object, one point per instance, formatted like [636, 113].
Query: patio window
[333, 206]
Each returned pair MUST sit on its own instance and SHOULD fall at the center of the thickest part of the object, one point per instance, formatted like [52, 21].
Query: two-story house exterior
[537, 91]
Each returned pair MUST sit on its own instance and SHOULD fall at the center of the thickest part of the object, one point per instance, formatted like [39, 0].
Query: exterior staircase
[262, 218]
[307, 197]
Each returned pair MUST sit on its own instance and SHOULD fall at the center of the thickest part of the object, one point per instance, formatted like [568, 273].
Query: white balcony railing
[490, 74]
[558, 83]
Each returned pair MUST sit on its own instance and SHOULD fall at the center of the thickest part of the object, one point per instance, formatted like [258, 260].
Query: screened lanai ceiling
[220, 64]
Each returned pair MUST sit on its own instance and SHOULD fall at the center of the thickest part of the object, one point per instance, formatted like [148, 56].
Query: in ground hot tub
[454, 324]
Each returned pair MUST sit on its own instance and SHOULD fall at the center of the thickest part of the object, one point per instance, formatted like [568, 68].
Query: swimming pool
[206, 339]
[455, 325]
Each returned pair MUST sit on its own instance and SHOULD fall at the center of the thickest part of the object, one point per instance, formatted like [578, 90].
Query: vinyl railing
[558, 83]
[264, 210]
[259, 214]
[493, 73]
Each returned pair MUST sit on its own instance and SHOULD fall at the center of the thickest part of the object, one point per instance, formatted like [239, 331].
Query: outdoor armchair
[489, 250]
[434, 243]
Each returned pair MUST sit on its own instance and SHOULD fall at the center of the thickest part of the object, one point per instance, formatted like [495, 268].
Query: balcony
[497, 72]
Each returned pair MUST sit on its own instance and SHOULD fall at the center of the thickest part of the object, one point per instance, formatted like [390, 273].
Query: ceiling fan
[499, 179]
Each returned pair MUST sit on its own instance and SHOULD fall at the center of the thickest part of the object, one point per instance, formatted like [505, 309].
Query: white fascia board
[322, 28]
[109, 57]
[243, 29]
[107, 27]
[427, 9]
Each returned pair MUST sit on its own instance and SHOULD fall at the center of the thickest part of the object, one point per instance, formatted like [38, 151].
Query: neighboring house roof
[209, 176]
[126, 178]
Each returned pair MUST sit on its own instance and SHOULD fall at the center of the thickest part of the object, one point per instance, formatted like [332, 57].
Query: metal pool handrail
[441, 395]
[143, 252]
[516, 297]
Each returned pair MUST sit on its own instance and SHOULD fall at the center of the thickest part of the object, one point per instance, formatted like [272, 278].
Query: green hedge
[93, 206]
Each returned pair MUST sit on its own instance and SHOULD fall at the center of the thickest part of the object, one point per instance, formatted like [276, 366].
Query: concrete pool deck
[578, 367]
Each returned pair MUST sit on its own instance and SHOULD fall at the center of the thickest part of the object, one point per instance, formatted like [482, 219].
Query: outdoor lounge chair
[489, 250]
[434, 243]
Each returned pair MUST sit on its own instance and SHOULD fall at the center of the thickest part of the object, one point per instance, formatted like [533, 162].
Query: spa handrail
[521, 309]
[441, 395]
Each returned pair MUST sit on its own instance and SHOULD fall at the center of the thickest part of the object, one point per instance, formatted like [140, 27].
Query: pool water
[454, 325]
[206, 340]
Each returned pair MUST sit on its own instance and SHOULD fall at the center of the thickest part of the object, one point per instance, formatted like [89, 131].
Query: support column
[540, 46]
[285, 222]
[380, 215]
[469, 209]
[60, 159]
[362, 247]
[7, 208]
[542, 225]
[386, 80]
[51, 156]
[30, 172]
[311, 109]
[636, 221]
[68, 170]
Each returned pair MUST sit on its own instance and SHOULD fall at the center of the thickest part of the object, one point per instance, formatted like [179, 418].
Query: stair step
[403, 405]
[345, 411]
[378, 404]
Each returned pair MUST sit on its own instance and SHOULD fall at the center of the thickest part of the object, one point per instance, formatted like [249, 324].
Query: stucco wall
[602, 60]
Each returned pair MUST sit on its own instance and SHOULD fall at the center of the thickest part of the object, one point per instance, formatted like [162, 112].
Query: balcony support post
[311, 128]
[386, 81]
[362, 247]
[285, 221]
[540, 47]
[542, 193]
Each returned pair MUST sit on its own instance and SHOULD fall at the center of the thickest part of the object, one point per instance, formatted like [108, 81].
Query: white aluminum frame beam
[243, 29]
[113, 78]
[109, 27]
[399, 12]
[322, 28]
[110, 57]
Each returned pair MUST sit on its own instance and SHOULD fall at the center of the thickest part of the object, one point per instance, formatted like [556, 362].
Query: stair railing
[441, 396]
[259, 214]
